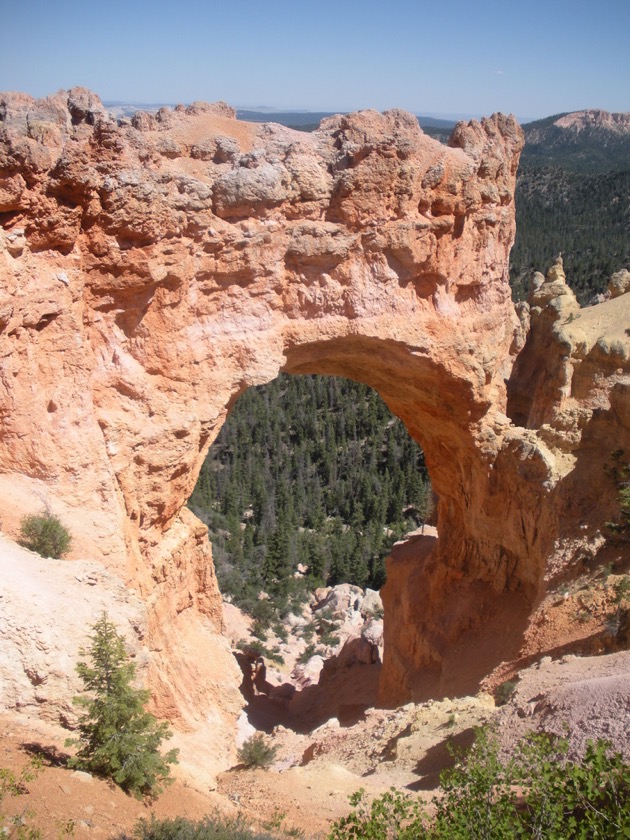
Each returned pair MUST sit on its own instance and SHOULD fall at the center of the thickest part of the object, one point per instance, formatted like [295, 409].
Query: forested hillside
[573, 196]
[586, 217]
[309, 470]
[598, 142]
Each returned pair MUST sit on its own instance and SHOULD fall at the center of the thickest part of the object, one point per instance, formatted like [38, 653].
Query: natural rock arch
[155, 270]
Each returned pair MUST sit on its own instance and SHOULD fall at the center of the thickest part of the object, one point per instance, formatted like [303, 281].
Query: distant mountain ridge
[579, 120]
[301, 120]
[590, 141]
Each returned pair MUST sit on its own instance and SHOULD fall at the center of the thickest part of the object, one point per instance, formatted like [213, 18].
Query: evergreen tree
[118, 739]
[586, 216]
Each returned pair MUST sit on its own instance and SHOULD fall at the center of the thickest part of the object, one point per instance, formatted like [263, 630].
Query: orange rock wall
[153, 270]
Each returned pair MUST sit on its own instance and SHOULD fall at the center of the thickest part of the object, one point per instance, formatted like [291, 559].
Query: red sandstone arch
[193, 256]
[154, 271]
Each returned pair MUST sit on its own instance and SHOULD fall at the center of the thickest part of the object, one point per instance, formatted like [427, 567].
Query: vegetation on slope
[572, 196]
[308, 470]
[117, 738]
[586, 217]
[539, 792]
[45, 534]
[593, 148]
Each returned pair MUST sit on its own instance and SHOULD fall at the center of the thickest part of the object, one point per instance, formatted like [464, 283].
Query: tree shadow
[439, 757]
[51, 755]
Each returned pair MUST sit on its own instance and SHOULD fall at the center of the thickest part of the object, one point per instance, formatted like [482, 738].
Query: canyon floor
[405, 748]
[330, 739]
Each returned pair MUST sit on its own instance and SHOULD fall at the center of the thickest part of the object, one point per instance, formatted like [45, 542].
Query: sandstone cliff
[153, 270]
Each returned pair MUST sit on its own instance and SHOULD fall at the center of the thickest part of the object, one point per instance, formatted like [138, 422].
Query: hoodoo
[152, 270]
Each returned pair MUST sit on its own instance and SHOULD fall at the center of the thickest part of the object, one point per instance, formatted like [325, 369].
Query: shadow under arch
[346, 690]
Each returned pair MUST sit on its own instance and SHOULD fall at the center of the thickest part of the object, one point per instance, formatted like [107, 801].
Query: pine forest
[309, 471]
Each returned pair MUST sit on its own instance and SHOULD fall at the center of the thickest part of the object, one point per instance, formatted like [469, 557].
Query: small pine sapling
[256, 752]
[118, 739]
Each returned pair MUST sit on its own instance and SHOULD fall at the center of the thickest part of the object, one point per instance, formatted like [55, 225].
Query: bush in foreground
[118, 739]
[559, 800]
[209, 828]
[45, 534]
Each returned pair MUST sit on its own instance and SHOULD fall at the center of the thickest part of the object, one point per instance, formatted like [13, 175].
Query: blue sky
[445, 57]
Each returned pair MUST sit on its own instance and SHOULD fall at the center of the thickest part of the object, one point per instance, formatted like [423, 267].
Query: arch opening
[320, 458]
[449, 596]
[309, 483]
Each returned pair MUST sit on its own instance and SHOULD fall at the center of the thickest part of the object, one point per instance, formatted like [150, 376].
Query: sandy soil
[96, 809]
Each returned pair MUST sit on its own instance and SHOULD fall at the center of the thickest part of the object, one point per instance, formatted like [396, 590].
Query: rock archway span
[154, 269]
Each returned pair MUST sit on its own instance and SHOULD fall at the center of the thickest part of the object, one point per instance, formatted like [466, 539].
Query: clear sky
[466, 57]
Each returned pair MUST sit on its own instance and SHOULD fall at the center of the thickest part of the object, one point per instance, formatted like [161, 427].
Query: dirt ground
[314, 773]
[58, 797]
[330, 741]
[306, 788]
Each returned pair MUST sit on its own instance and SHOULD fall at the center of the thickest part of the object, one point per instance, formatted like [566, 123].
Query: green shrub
[392, 815]
[566, 799]
[209, 828]
[256, 752]
[561, 799]
[505, 691]
[259, 649]
[310, 651]
[259, 630]
[307, 631]
[476, 799]
[118, 739]
[329, 640]
[44, 533]
[264, 611]
[281, 632]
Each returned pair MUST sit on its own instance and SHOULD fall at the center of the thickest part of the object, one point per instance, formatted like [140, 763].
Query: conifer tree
[118, 739]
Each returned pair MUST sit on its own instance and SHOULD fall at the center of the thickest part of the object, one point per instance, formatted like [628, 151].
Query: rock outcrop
[39, 652]
[154, 270]
[580, 120]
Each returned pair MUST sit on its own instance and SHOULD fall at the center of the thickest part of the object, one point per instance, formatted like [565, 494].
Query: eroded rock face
[153, 271]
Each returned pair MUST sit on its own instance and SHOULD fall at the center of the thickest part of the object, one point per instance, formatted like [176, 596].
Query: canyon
[154, 269]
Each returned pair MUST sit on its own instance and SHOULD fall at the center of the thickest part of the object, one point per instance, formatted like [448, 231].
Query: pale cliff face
[151, 272]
